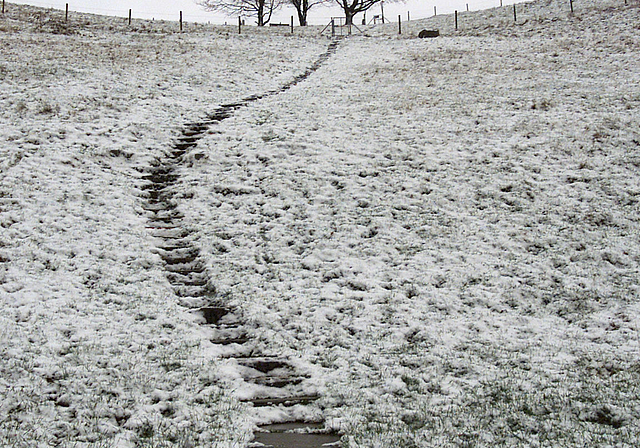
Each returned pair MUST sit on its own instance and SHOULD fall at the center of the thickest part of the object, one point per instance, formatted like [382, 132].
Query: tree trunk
[348, 17]
[302, 17]
[261, 14]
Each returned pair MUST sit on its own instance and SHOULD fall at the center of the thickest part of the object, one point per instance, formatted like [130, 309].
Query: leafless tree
[353, 7]
[261, 9]
[303, 7]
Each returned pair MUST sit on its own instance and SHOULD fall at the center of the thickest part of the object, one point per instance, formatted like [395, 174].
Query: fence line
[179, 15]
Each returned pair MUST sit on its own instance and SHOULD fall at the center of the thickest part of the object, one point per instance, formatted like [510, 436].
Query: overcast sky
[170, 9]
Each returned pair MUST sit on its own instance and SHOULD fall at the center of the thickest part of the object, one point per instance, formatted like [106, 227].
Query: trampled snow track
[277, 378]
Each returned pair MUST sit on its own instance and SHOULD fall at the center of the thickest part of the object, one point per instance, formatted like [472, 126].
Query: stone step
[295, 435]
[282, 401]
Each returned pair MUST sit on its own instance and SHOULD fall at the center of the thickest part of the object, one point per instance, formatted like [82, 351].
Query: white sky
[170, 9]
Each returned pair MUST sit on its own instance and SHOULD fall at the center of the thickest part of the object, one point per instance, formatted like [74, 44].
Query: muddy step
[177, 244]
[180, 256]
[171, 233]
[158, 205]
[295, 435]
[160, 178]
[219, 316]
[194, 130]
[188, 139]
[213, 314]
[282, 401]
[156, 194]
[161, 169]
[172, 213]
[187, 280]
[183, 146]
[158, 228]
[276, 381]
[152, 186]
[174, 252]
[185, 268]
[168, 216]
[225, 110]
[229, 341]
[184, 291]
[234, 333]
[160, 224]
[255, 97]
[265, 364]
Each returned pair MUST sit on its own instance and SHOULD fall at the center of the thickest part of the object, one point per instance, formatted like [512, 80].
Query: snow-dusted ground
[444, 232]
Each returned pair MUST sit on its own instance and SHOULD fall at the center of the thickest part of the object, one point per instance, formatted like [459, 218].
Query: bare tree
[261, 9]
[303, 7]
[353, 7]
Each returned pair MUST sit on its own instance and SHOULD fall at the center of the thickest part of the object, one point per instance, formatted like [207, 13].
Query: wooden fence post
[515, 15]
[180, 21]
[435, 11]
[291, 24]
[239, 25]
[408, 16]
[456, 18]
[129, 17]
[333, 27]
[467, 7]
[66, 12]
[399, 24]
[2, 6]
[571, 3]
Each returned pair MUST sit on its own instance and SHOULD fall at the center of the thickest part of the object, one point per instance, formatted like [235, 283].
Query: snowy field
[444, 232]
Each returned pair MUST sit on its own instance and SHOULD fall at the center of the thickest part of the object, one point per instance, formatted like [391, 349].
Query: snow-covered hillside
[445, 232]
